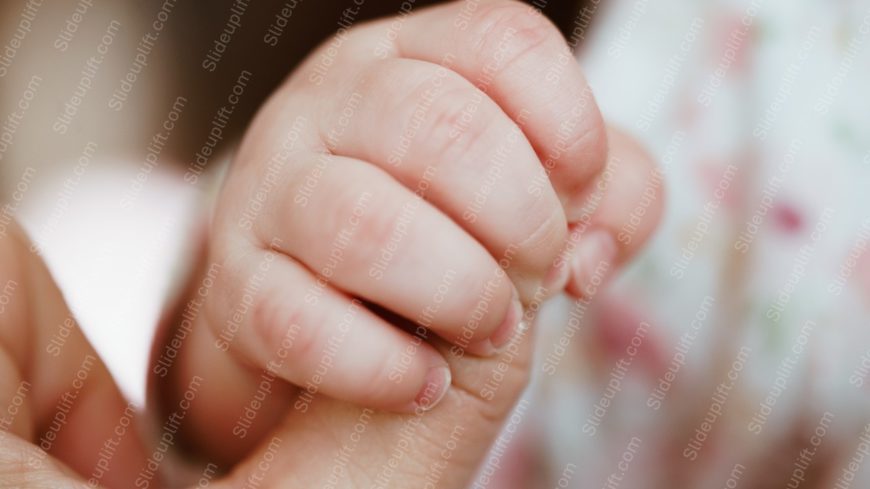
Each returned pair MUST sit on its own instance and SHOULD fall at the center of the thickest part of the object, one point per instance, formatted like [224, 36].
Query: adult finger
[55, 392]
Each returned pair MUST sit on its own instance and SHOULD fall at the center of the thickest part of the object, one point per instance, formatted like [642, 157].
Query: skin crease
[298, 449]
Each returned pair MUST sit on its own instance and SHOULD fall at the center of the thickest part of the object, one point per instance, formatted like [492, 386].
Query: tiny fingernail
[508, 328]
[438, 381]
[558, 276]
[591, 263]
[503, 334]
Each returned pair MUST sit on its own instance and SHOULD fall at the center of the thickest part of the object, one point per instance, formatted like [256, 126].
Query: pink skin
[534, 205]
[507, 188]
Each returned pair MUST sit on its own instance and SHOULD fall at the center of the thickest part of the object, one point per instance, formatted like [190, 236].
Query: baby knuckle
[370, 225]
[438, 110]
[508, 30]
[457, 124]
[380, 73]
[285, 324]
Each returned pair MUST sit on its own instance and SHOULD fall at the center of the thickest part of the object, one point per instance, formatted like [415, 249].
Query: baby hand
[428, 174]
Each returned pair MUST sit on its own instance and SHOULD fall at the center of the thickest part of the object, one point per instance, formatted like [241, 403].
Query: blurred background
[734, 352]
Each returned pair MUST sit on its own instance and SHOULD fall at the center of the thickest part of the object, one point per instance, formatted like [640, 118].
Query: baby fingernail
[558, 276]
[503, 334]
[508, 327]
[438, 381]
[591, 263]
